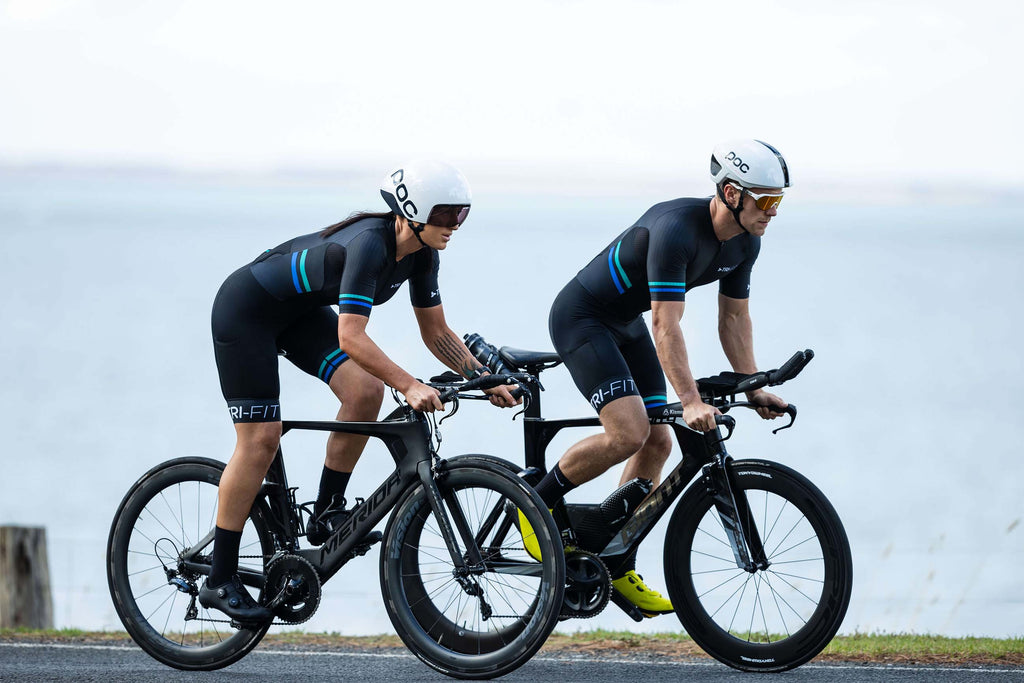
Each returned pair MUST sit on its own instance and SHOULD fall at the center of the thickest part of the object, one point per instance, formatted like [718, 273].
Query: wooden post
[25, 600]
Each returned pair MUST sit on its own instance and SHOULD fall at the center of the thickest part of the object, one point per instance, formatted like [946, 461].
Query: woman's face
[437, 237]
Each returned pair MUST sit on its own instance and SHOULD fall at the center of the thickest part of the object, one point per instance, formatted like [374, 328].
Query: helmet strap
[739, 205]
[416, 231]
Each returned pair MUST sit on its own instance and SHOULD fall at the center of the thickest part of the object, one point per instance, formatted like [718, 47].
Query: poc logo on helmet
[402, 193]
[737, 162]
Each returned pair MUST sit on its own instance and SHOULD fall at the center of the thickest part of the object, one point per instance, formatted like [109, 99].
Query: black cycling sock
[332, 483]
[628, 565]
[225, 556]
[553, 487]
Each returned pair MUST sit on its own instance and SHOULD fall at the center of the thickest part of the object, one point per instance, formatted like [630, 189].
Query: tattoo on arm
[455, 354]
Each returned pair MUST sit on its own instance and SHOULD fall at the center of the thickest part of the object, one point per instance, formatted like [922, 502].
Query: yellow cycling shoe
[649, 602]
[529, 537]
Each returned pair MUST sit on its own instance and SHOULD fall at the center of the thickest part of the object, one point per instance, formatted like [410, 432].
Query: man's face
[756, 220]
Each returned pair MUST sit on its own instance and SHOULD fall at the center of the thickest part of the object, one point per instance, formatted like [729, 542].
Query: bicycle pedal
[369, 541]
[626, 606]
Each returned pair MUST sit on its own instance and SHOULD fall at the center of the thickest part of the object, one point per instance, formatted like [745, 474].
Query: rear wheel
[773, 619]
[158, 555]
[490, 619]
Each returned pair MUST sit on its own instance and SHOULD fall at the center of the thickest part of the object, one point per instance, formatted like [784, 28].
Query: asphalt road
[115, 663]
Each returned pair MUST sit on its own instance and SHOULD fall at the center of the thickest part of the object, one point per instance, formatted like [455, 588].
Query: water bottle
[485, 353]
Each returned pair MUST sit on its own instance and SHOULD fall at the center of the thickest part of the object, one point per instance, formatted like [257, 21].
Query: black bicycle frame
[700, 451]
[408, 443]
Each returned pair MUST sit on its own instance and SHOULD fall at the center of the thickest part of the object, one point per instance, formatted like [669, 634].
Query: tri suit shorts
[250, 328]
[607, 358]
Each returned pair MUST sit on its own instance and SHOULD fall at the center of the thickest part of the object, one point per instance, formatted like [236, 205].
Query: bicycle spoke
[785, 504]
[775, 597]
[811, 538]
[784, 538]
[134, 574]
[807, 597]
[743, 591]
[716, 557]
[797, 576]
[717, 539]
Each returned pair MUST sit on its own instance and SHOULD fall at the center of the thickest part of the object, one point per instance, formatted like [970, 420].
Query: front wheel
[772, 619]
[158, 555]
[489, 617]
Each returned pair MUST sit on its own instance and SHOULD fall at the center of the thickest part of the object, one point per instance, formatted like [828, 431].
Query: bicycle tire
[169, 509]
[435, 617]
[795, 606]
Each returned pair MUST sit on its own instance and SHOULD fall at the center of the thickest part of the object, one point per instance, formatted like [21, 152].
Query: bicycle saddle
[521, 359]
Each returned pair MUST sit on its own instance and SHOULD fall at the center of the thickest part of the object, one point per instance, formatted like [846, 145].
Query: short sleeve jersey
[354, 268]
[671, 249]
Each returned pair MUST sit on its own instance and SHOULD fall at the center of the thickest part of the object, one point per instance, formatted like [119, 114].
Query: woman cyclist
[281, 302]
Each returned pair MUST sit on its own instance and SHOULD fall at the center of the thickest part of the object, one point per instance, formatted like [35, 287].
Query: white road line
[587, 660]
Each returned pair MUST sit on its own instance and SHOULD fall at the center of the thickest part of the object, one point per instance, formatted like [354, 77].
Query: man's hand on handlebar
[700, 416]
[423, 398]
[501, 396]
[768, 401]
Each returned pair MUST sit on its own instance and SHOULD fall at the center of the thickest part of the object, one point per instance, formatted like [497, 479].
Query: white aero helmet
[751, 163]
[428, 192]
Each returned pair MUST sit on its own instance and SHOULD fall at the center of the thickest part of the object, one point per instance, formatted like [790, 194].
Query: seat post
[533, 410]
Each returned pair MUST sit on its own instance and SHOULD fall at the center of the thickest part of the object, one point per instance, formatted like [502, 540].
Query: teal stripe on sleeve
[622, 271]
[302, 269]
[356, 296]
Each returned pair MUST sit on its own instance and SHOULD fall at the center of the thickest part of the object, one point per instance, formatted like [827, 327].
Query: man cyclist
[282, 301]
[597, 328]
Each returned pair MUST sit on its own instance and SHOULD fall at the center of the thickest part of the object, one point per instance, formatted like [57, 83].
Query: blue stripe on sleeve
[615, 278]
[295, 273]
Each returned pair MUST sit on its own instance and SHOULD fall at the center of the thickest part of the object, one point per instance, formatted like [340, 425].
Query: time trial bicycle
[757, 561]
[460, 589]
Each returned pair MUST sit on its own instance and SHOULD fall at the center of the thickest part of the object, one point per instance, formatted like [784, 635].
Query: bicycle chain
[232, 621]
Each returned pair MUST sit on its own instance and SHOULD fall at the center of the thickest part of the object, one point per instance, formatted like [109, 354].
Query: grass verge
[879, 648]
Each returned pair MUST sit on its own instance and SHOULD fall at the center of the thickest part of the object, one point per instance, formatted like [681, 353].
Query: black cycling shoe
[327, 522]
[234, 600]
[330, 520]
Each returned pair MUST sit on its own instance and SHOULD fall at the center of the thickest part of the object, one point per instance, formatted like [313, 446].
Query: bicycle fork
[466, 565]
[734, 512]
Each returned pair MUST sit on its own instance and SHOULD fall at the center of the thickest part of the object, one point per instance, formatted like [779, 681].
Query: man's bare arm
[735, 331]
[671, 348]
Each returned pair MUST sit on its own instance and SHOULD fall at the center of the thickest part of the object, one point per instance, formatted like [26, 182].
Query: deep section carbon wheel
[489, 617]
[769, 619]
[158, 555]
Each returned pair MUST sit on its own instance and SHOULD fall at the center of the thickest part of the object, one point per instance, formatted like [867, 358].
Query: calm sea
[908, 415]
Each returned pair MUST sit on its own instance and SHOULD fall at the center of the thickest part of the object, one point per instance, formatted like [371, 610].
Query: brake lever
[527, 396]
[788, 410]
[727, 421]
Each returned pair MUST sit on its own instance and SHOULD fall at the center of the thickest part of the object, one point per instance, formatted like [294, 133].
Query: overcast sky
[866, 92]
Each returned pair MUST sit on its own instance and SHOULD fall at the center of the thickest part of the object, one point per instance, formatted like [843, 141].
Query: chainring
[588, 586]
[292, 588]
